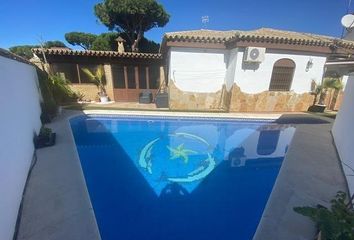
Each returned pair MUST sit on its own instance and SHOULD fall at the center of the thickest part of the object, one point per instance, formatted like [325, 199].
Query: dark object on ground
[162, 100]
[45, 141]
[145, 97]
[45, 138]
[317, 108]
[300, 119]
[46, 118]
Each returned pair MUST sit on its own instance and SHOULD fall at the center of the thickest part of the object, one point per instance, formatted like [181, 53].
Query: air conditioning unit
[254, 54]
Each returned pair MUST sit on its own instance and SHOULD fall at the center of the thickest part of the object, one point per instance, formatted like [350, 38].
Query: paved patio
[57, 206]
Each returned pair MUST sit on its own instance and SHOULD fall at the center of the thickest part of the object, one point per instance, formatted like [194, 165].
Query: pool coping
[265, 229]
[262, 116]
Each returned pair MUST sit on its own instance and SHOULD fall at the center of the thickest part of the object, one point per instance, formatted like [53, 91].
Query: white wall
[198, 70]
[343, 133]
[20, 118]
[257, 80]
[206, 70]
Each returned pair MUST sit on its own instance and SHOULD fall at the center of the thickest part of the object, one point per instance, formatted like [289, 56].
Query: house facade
[212, 70]
[126, 74]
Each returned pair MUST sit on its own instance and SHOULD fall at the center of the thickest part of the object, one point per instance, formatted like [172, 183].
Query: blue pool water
[172, 179]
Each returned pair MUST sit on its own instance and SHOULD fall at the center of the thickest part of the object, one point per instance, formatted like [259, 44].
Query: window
[154, 77]
[282, 75]
[131, 77]
[92, 67]
[118, 76]
[267, 142]
[67, 70]
[142, 77]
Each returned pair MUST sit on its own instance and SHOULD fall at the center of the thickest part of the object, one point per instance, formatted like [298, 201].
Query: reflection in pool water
[151, 178]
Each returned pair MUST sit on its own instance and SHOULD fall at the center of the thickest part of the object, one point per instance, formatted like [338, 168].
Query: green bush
[55, 91]
[61, 91]
[336, 223]
[49, 106]
[45, 132]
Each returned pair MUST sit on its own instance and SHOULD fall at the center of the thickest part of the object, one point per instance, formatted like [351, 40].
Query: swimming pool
[186, 178]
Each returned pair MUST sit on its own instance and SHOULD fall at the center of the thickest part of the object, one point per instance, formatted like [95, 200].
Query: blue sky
[26, 21]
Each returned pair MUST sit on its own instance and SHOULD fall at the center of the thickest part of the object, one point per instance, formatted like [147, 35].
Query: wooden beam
[78, 72]
[136, 77]
[147, 78]
[125, 77]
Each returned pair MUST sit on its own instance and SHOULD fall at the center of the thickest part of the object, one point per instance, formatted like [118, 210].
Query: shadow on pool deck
[302, 119]
[57, 205]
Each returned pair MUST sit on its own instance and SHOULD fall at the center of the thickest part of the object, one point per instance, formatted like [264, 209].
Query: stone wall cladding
[181, 100]
[269, 101]
[89, 91]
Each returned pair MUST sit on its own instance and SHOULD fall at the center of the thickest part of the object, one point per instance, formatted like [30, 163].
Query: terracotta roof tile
[258, 35]
[70, 52]
[200, 35]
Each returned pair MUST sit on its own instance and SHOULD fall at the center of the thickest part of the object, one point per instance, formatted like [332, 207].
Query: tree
[105, 42]
[133, 17]
[84, 40]
[23, 50]
[148, 46]
[26, 52]
[50, 44]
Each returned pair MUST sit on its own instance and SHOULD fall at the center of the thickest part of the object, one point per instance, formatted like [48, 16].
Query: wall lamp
[309, 65]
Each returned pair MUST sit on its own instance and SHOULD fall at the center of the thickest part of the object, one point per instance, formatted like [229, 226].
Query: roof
[90, 53]
[268, 35]
[203, 35]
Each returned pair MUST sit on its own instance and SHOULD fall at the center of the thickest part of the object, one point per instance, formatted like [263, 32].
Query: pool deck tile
[56, 203]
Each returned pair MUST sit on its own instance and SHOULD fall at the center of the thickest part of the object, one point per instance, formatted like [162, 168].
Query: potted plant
[45, 138]
[99, 80]
[336, 223]
[316, 107]
[328, 83]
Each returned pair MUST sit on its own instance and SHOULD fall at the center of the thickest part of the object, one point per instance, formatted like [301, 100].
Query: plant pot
[161, 100]
[104, 99]
[317, 108]
[44, 141]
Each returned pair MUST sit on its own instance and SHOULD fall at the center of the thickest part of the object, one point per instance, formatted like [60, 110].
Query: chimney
[120, 42]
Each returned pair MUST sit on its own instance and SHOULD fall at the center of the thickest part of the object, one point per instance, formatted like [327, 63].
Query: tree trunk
[135, 45]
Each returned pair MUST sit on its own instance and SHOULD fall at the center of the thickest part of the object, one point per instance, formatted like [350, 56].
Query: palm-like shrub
[330, 83]
[98, 79]
[335, 223]
[60, 89]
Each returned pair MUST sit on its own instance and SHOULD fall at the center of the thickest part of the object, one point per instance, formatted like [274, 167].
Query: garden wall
[343, 133]
[20, 120]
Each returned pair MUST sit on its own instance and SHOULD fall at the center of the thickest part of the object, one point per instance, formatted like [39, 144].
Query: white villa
[260, 70]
